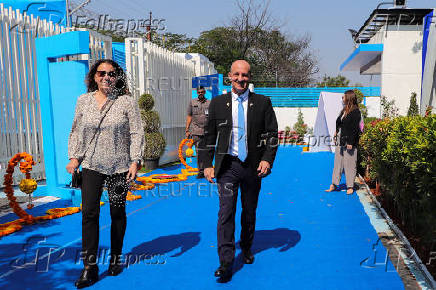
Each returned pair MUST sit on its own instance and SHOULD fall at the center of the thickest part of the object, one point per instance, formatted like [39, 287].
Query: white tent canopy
[329, 107]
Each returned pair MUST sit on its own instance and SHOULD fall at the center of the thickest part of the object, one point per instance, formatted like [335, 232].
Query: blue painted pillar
[217, 84]
[60, 83]
[214, 82]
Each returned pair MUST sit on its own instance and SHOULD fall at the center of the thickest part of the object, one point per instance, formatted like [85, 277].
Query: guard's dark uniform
[198, 110]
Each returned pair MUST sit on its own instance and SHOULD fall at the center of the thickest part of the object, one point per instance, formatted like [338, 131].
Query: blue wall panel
[119, 54]
[63, 108]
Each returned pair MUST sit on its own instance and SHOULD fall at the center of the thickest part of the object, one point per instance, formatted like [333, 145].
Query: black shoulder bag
[76, 179]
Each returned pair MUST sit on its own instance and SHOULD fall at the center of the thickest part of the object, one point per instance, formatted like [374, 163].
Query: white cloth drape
[329, 107]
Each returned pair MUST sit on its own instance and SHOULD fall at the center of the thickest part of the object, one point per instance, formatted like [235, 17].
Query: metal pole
[67, 13]
[276, 78]
[80, 6]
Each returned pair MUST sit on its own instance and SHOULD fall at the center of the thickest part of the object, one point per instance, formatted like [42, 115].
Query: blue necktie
[242, 144]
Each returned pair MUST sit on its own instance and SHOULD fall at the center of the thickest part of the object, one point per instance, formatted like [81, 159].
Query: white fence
[167, 76]
[20, 119]
[203, 66]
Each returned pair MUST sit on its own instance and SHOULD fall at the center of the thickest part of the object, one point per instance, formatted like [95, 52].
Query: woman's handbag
[76, 178]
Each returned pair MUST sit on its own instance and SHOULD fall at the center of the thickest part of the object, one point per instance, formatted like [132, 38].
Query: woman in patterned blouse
[107, 139]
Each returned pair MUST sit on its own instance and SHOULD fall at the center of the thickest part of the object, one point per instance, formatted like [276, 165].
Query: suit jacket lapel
[228, 109]
[250, 113]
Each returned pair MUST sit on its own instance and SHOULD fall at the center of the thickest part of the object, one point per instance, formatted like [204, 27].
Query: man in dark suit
[242, 135]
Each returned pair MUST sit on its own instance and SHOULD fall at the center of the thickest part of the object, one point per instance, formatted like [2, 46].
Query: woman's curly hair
[120, 88]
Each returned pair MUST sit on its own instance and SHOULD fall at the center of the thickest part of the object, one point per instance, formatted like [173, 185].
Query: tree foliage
[363, 109]
[276, 59]
[337, 81]
[389, 109]
[174, 41]
[400, 153]
[300, 127]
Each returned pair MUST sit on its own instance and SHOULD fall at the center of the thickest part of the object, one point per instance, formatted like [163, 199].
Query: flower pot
[150, 164]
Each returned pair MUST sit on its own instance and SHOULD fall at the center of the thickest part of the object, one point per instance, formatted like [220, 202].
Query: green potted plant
[154, 140]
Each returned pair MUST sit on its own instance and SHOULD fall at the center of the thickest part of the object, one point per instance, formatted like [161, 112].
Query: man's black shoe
[248, 257]
[114, 270]
[224, 271]
[200, 175]
[88, 277]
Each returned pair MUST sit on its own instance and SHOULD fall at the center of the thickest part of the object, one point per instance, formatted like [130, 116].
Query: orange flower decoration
[25, 218]
[189, 143]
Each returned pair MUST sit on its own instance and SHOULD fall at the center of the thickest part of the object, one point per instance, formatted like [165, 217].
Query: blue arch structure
[60, 83]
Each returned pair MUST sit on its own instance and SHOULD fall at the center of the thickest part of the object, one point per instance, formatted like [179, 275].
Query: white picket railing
[167, 76]
[100, 46]
[20, 119]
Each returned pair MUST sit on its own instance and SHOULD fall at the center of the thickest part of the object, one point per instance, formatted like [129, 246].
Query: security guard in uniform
[196, 119]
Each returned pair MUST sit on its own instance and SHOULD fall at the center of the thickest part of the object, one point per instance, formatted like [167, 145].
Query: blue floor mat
[305, 238]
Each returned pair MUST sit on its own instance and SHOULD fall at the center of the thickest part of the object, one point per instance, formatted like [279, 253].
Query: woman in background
[348, 133]
[107, 139]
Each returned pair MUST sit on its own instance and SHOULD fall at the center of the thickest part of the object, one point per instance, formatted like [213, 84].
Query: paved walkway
[305, 238]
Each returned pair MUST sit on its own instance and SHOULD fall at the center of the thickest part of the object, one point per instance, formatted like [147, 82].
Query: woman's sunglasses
[102, 73]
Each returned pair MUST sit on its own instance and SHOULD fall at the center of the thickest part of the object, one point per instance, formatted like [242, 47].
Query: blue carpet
[305, 238]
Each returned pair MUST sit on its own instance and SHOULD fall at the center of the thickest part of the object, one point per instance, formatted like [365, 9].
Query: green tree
[413, 107]
[300, 127]
[276, 59]
[218, 45]
[174, 41]
[389, 109]
[338, 81]
[363, 109]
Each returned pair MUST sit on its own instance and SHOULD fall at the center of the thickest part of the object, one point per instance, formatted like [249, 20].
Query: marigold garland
[130, 196]
[148, 183]
[28, 185]
[189, 143]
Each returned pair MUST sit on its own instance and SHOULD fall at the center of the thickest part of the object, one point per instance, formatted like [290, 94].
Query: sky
[326, 22]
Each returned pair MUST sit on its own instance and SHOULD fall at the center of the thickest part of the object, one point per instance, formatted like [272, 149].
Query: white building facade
[390, 44]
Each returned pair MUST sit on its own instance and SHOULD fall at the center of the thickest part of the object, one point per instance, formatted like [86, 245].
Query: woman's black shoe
[88, 277]
[114, 270]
